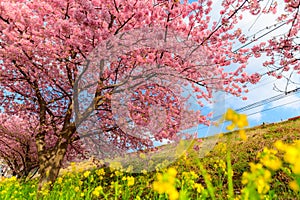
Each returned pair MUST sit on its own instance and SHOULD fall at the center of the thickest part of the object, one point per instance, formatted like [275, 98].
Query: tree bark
[50, 164]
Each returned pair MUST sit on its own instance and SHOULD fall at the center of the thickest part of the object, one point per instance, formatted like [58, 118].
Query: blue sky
[287, 107]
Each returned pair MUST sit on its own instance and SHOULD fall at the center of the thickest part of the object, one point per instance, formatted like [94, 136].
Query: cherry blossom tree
[18, 150]
[45, 47]
[18, 146]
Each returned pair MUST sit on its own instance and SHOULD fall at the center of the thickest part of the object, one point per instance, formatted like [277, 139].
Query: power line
[264, 110]
[249, 88]
[262, 102]
[268, 100]
[273, 107]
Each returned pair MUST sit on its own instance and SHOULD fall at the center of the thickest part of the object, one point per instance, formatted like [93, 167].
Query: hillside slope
[244, 152]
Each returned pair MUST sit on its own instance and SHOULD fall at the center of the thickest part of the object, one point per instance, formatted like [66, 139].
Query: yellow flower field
[237, 168]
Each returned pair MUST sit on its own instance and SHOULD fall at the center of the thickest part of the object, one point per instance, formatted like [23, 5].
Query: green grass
[219, 172]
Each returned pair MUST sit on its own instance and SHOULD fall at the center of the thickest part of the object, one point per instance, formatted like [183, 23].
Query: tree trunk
[50, 164]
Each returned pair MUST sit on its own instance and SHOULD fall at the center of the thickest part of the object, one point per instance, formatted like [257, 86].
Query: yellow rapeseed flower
[130, 181]
[77, 189]
[242, 134]
[199, 188]
[294, 185]
[172, 172]
[118, 173]
[280, 145]
[267, 175]
[137, 198]
[245, 178]
[297, 143]
[86, 174]
[59, 180]
[13, 178]
[242, 121]
[97, 191]
[259, 177]
[255, 167]
[229, 114]
[269, 159]
[166, 184]
[292, 155]
[100, 172]
[173, 194]
[296, 168]
[2, 179]
[230, 127]
[262, 186]
[238, 121]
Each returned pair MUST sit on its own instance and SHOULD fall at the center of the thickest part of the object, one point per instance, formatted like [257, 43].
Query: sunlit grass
[265, 166]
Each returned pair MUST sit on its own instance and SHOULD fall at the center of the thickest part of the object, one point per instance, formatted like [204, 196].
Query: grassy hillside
[244, 152]
[218, 175]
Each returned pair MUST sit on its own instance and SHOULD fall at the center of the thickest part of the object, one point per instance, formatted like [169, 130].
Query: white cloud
[256, 117]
